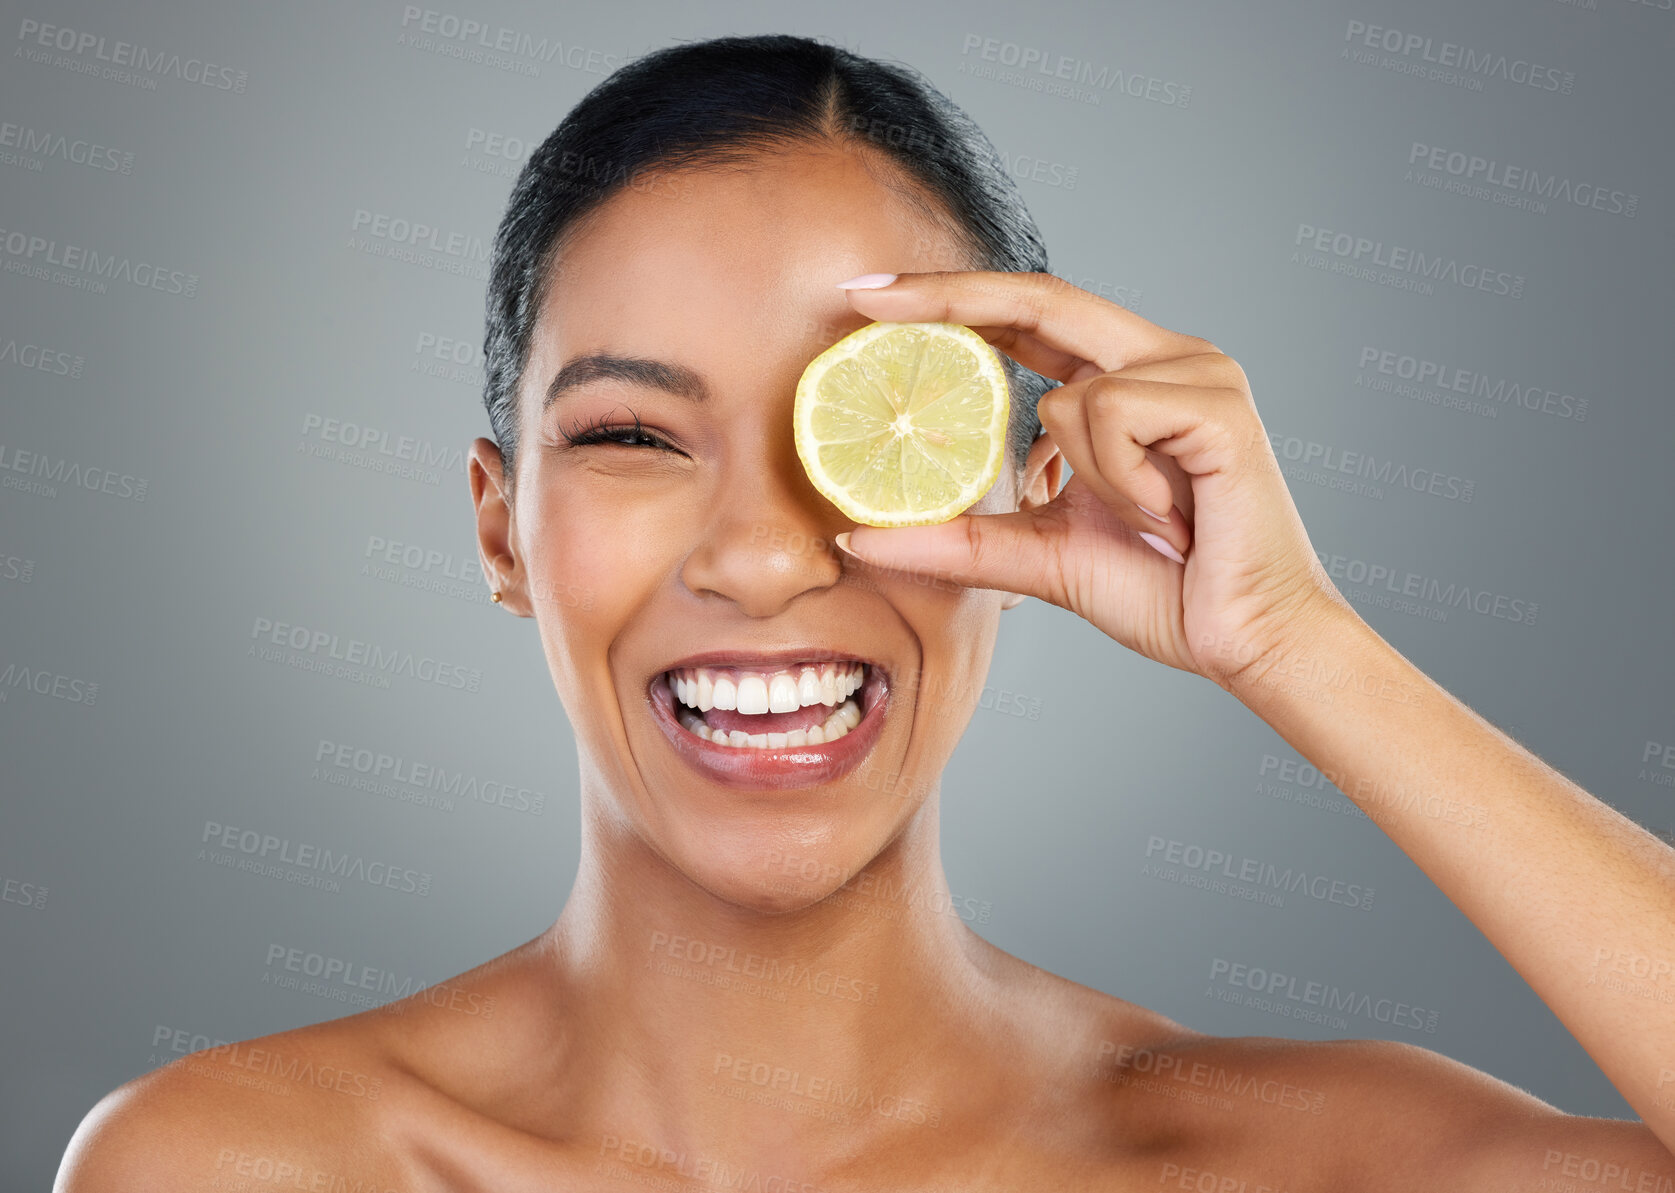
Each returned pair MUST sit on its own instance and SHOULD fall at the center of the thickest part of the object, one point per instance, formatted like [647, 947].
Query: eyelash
[606, 432]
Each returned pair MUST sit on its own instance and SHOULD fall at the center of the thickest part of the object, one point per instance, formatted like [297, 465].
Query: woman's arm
[1580, 899]
[1221, 580]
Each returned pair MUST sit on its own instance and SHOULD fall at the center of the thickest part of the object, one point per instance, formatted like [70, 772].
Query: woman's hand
[1147, 419]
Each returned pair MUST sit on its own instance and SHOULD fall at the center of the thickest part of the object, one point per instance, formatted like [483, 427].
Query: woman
[735, 994]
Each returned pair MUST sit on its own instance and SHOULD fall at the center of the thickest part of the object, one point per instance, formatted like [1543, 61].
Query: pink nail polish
[868, 281]
[1163, 547]
[1164, 518]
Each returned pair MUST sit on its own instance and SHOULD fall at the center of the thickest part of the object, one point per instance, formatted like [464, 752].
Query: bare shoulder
[346, 1104]
[1192, 1110]
[293, 1107]
[1382, 1115]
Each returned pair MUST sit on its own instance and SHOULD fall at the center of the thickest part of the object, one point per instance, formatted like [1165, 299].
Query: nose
[767, 541]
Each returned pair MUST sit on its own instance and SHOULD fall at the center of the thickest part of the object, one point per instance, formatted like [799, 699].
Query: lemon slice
[903, 424]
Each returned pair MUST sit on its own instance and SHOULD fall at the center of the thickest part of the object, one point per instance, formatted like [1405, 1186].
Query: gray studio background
[1173, 171]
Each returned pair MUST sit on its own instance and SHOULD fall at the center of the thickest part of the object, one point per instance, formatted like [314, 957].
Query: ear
[496, 529]
[1042, 479]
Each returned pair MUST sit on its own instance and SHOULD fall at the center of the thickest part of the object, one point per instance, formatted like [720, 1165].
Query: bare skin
[633, 1041]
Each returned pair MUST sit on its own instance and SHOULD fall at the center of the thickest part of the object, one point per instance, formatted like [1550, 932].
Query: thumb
[1005, 551]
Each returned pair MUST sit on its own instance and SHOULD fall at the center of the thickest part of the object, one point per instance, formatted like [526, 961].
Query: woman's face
[635, 558]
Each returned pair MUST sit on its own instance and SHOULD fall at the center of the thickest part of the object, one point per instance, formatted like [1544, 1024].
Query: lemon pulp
[903, 424]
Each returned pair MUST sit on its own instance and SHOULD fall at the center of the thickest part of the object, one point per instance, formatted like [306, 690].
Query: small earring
[495, 596]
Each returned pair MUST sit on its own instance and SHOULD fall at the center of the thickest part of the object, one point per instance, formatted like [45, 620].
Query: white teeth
[756, 692]
[843, 719]
[782, 694]
[753, 695]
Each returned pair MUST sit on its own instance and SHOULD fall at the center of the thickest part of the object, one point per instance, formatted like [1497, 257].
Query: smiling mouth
[801, 704]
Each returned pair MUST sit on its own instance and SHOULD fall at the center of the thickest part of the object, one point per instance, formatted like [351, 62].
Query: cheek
[590, 556]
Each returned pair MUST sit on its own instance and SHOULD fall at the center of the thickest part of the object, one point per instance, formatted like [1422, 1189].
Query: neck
[701, 1027]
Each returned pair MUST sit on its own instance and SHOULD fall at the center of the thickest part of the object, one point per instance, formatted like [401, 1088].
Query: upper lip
[771, 660]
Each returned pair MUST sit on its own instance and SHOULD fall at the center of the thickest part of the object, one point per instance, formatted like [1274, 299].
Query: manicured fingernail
[1164, 518]
[868, 281]
[1163, 547]
[842, 540]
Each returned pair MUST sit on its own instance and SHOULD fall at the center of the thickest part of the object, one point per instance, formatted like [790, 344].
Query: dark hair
[725, 101]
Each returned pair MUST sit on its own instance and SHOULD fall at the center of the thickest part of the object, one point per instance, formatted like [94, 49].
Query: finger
[1211, 369]
[1130, 419]
[1063, 413]
[1070, 417]
[1010, 551]
[1040, 306]
[1030, 352]
[1135, 442]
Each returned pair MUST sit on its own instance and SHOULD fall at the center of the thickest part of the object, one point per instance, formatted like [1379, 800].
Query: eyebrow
[636, 370]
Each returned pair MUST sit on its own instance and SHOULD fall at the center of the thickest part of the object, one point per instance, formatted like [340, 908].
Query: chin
[771, 878]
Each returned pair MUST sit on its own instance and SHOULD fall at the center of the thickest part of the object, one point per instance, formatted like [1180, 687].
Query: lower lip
[790, 766]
